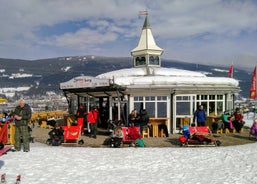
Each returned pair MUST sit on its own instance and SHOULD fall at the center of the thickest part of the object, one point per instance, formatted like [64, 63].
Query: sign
[84, 82]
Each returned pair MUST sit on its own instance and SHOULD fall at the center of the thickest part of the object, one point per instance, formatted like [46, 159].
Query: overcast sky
[197, 31]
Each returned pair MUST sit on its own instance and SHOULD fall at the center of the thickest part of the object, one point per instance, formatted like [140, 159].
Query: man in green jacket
[22, 115]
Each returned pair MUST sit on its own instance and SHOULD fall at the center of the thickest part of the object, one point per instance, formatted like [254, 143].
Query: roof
[166, 77]
[146, 42]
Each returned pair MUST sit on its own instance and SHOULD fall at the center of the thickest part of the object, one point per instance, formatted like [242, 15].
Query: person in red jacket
[238, 120]
[92, 118]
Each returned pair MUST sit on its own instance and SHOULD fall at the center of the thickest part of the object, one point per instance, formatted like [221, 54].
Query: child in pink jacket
[253, 129]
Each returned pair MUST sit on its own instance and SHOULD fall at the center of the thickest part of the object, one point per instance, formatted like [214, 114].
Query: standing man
[199, 116]
[81, 114]
[92, 120]
[22, 115]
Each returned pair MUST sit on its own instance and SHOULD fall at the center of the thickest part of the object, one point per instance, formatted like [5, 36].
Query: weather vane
[144, 12]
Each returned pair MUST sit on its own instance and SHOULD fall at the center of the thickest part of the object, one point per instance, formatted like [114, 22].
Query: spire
[147, 52]
[146, 24]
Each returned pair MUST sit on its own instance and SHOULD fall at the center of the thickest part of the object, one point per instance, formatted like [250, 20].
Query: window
[156, 60]
[156, 106]
[183, 108]
[140, 61]
[151, 60]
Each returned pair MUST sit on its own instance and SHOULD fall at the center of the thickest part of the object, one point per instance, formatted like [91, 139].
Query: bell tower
[147, 53]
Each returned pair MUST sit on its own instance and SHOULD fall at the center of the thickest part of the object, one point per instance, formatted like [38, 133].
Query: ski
[3, 181]
[18, 179]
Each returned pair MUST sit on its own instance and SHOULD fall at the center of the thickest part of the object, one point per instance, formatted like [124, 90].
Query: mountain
[41, 76]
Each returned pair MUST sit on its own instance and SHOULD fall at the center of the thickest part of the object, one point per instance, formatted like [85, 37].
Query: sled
[130, 134]
[199, 136]
[72, 134]
[5, 149]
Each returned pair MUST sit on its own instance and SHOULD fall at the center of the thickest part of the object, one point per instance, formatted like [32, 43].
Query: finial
[145, 12]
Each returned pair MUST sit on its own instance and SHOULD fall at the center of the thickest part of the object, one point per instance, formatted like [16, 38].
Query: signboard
[84, 82]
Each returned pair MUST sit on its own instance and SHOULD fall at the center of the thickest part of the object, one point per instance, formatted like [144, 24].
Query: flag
[145, 12]
[253, 85]
[231, 71]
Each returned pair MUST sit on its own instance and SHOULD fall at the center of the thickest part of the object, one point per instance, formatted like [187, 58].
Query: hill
[41, 76]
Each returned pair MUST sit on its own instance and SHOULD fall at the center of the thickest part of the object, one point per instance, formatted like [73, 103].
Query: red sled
[71, 134]
[199, 136]
[130, 134]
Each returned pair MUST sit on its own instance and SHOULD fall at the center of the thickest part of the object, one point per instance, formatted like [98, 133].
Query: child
[253, 129]
[116, 138]
[56, 135]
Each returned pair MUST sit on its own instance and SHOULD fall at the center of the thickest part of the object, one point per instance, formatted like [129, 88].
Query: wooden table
[155, 122]
[211, 119]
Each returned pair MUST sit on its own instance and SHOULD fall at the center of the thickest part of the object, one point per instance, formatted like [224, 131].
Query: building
[168, 94]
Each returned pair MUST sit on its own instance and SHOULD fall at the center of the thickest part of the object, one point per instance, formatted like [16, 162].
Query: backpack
[139, 143]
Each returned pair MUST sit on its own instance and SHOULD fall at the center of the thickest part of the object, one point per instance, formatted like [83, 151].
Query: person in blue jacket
[200, 116]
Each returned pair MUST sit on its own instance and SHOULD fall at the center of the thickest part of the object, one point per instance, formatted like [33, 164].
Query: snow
[47, 164]
[164, 76]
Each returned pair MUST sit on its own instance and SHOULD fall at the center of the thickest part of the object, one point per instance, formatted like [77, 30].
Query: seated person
[165, 129]
[56, 135]
[116, 137]
[238, 120]
[253, 129]
[186, 132]
[217, 125]
[226, 119]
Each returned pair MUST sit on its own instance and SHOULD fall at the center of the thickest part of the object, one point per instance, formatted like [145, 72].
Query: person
[143, 120]
[238, 120]
[164, 127]
[92, 120]
[226, 119]
[81, 115]
[199, 116]
[22, 115]
[133, 118]
[56, 135]
[116, 138]
[253, 129]
[96, 116]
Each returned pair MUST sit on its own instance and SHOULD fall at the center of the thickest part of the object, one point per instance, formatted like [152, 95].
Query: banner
[231, 71]
[253, 85]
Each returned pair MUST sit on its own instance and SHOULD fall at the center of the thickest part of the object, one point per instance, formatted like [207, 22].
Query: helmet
[185, 127]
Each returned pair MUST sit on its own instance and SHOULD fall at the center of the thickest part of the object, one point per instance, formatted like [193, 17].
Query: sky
[215, 32]
[65, 165]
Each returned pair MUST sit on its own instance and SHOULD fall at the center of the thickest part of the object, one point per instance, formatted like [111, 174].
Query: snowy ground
[54, 165]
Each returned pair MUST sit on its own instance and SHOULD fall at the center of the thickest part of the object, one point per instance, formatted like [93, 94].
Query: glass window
[150, 108]
[185, 98]
[156, 60]
[220, 97]
[156, 106]
[142, 61]
[179, 98]
[212, 97]
[137, 61]
[151, 60]
[204, 97]
[183, 108]
[219, 108]
[211, 108]
[137, 106]
[161, 109]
